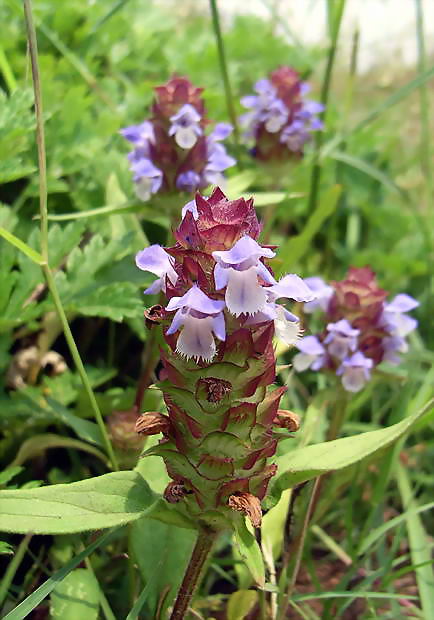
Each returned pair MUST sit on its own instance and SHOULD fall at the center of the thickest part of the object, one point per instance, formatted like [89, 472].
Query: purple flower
[148, 178]
[217, 158]
[323, 294]
[394, 317]
[266, 108]
[295, 136]
[156, 260]
[392, 345]
[238, 269]
[200, 318]
[280, 108]
[188, 181]
[312, 354]
[341, 339]
[355, 372]
[141, 135]
[286, 324]
[186, 126]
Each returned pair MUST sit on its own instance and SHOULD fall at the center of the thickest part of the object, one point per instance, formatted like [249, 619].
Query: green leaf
[5, 548]
[419, 541]
[34, 256]
[9, 473]
[28, 605]
[113, 301]
[112, 499]
[368, 169]
[239, 183]
[379, 532]
[36, 445]
[77, 596]
[303, 464]
[264, 199]
[250, 551]
[128, 207]
[153, 541]
[295, 248]
[241, 603]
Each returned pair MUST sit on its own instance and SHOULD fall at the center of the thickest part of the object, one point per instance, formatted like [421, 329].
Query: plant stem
[224, 70]
[40, 139]
[425, 148]
[40, 135]
[80, 366]
[202, 548]
[13, 567]
[298, 550]
[335, 23]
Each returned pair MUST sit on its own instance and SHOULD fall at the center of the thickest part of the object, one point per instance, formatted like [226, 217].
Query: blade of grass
[7, 72]
[40, 139]
[224, 70]
[380, 531]
[105, 18]
[105, 605]
[28, 605]
[293, 250]
[419, 547]
[137, 607]
[34, 256]
[335, 18]
[368, 169]
[128, 207]
[425, 133]
[13, 567]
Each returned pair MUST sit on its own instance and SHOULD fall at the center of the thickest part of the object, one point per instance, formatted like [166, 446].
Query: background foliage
[99, 62]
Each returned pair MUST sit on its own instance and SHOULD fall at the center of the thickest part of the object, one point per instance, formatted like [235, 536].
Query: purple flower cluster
[171, 151]
[368, 329]
[281, 118]
[245, 288]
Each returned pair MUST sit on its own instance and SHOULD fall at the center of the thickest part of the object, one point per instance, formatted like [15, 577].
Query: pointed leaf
[306, 463]
[105, 501]
[250, 551]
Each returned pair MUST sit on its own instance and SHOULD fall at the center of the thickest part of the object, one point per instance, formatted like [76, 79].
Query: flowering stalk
[223, 420]
[171, 151]
[281, 119]
[361, 329]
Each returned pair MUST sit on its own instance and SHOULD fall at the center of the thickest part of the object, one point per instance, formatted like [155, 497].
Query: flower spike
[361, 329]
[218, 357]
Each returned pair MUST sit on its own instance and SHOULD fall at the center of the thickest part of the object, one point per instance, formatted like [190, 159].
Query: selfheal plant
[172, 150]
[281, 119]
[218, 359]
[361, 329]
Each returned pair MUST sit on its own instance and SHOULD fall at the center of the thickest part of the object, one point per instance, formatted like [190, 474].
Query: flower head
[280, 118]
[360, 328]
[171, 151]
[218, 358]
